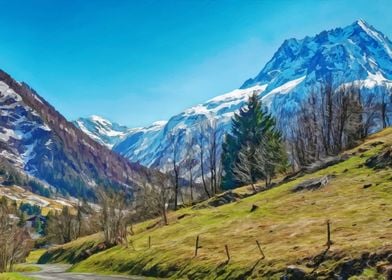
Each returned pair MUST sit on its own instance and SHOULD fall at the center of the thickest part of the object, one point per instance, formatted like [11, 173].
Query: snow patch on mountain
[283, 89]
[374, 80]
[102, 130]
[6, 134]
[17, 132]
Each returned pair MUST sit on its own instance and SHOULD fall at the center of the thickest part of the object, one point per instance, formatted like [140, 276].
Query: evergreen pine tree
[22, 219]
[254, 150]
[38, 225]
[229, 150]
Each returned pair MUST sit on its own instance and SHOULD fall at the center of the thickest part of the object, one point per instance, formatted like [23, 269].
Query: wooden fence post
[196, 245]
[261, 251]
[227, 252]
[388, 274]
[329, 242]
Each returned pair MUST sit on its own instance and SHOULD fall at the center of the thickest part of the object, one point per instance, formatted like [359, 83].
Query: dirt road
[58, 272]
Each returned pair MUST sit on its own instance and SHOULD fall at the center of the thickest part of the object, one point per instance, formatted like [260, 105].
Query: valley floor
[290, 227]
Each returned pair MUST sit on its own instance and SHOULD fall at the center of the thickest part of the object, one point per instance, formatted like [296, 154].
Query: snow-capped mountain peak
[370, 30]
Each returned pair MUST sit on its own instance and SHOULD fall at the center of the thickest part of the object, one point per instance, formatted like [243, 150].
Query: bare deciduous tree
[15, 242]
[190, 163]
[202, 159]
[245, 169]
[174, 139]
[114, 209]
[209, 156]
[332, 120]
[62, 227]
[157, 193]
[385, 96]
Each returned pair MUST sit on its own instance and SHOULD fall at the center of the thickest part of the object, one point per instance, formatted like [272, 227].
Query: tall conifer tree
[253, 150]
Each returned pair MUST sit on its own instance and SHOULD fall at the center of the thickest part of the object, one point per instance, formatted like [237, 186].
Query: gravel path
[58, 272]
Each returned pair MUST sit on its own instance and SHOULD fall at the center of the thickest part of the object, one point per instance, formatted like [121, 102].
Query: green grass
[71, 252]
[13, 276]
[26, 268]
[35, 255]
[290, 226]
[368, 274]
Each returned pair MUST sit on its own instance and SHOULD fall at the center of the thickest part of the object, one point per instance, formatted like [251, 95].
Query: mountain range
[75, 157]
[356, 53]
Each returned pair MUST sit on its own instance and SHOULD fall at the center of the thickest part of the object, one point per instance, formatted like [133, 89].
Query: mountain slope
[290, 226]
[357, 53]
[37, 139]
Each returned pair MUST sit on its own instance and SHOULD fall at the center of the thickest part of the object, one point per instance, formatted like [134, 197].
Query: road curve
[58, 272]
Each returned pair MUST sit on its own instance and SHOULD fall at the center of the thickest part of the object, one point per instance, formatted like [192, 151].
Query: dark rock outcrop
[254, 208]
[381, 160]
[294, 273]
[312, 184]
[367, 186]
[326, 162]
[219, 200]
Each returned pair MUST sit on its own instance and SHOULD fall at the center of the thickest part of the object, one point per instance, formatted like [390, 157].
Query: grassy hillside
[290, 226]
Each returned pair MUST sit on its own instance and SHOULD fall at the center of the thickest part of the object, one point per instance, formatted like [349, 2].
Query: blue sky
[136, 62]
